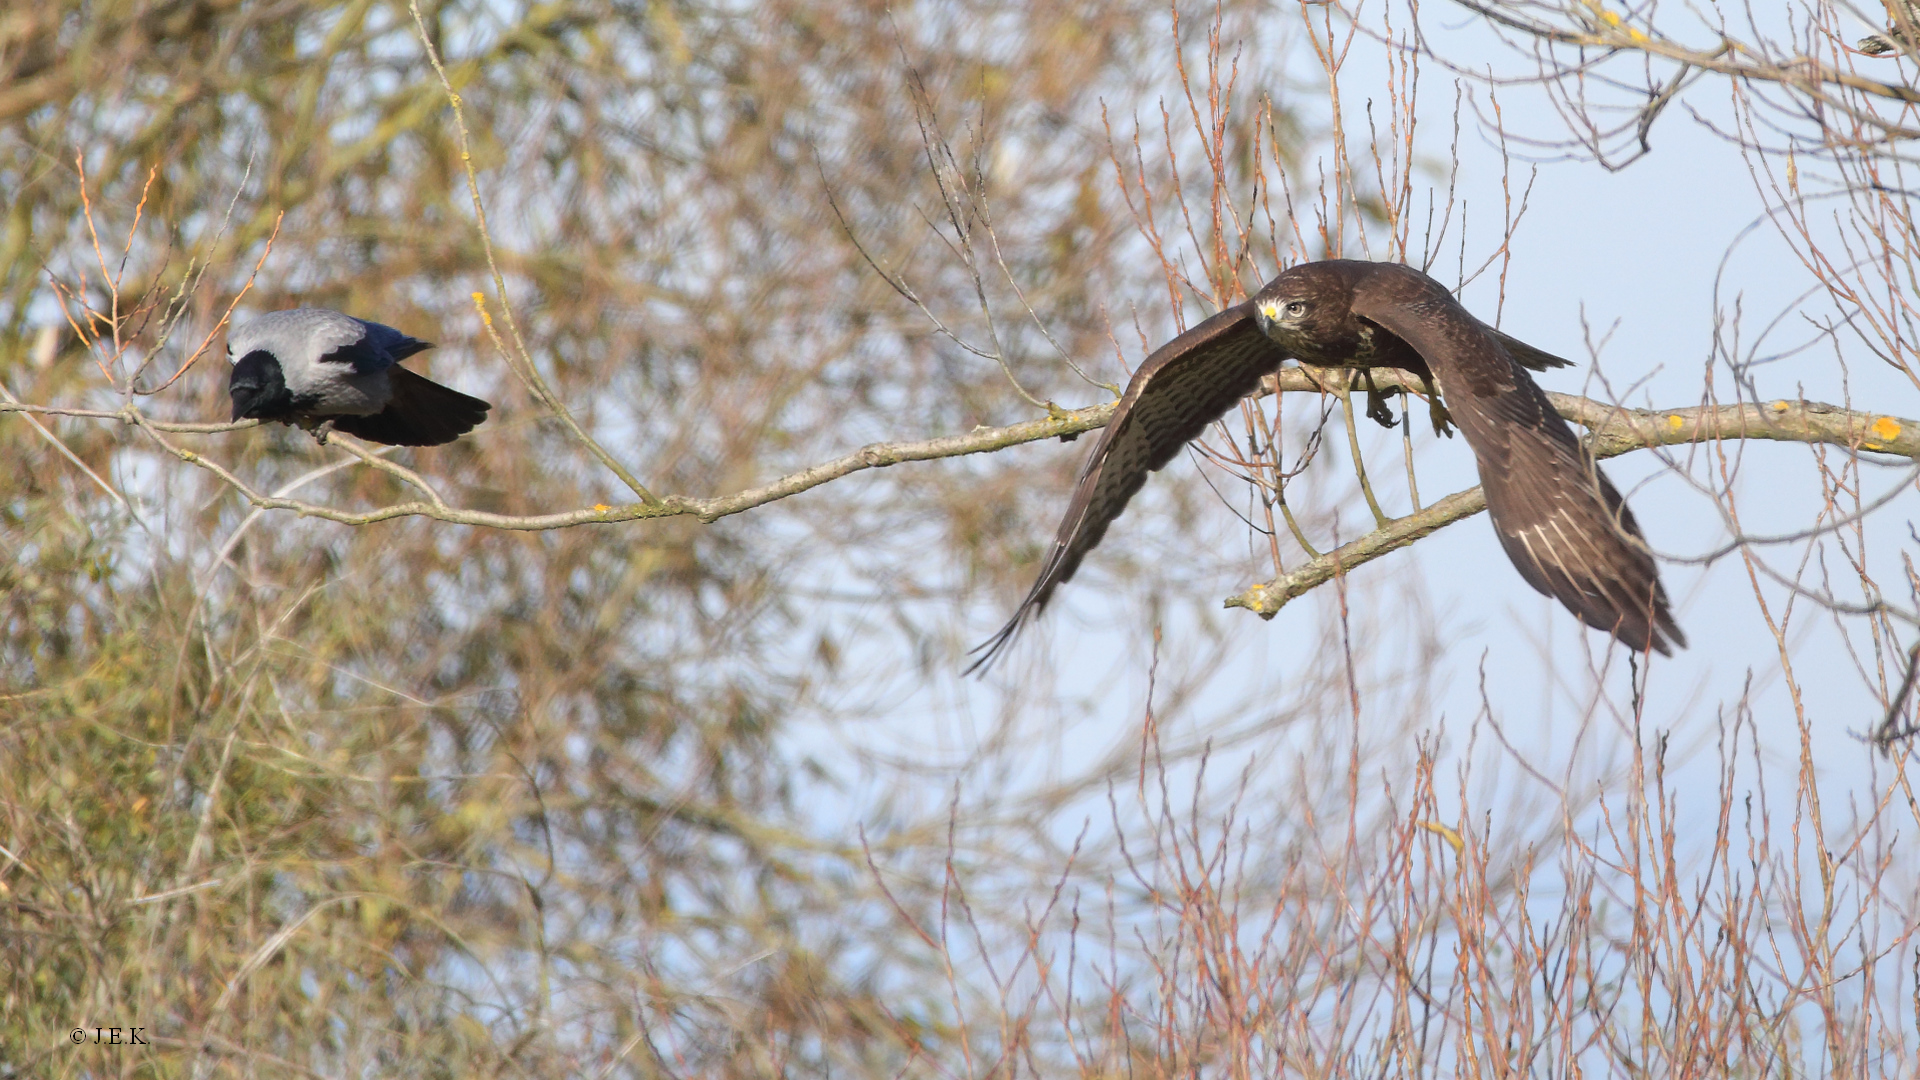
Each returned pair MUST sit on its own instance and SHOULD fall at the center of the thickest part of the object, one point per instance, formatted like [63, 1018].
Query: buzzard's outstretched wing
[1564, 526]
[1527, 355]
[1184, 386]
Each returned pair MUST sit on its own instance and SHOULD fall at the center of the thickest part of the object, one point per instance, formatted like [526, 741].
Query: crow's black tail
[422, 413]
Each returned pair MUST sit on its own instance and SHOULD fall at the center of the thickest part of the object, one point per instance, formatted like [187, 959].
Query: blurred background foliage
[665, 798]
[414, 799]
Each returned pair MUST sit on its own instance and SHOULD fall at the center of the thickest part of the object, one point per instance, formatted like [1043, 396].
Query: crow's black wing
[378, 348]
[1562, 523]
[1184, 386]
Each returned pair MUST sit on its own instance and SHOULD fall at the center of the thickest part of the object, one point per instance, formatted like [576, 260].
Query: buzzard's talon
[1442, 419]
[1377, 410]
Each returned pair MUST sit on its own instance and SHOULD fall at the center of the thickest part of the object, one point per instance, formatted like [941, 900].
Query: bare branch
[1615, 430]
[1267, 600]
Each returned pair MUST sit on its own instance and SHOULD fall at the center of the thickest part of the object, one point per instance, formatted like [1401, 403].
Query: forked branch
[1613, 430]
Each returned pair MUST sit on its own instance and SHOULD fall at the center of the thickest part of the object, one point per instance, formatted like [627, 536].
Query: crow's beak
[245, 394]
[256, 386]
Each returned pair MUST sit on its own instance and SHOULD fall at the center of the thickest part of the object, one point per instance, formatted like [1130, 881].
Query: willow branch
[1615, 430]
[874, 456]
[1267, 599]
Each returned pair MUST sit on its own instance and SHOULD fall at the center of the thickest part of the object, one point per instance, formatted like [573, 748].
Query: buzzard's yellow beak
[1266, 314]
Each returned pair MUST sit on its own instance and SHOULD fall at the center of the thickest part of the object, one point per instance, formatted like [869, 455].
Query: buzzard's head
[1305, 310]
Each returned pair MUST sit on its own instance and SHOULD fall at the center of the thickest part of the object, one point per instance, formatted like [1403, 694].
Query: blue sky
[1642, 264]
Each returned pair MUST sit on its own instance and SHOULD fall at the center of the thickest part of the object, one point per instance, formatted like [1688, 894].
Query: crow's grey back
[299, 337]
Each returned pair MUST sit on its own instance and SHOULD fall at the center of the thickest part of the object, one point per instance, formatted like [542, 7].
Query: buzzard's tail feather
[1078, 535]
[989, 649]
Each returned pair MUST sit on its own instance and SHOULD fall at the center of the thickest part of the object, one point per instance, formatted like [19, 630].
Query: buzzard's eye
[1296, 308]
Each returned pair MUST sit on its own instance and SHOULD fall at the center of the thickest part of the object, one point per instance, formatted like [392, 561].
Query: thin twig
[525, 368]
[1359, 460]
[1894, 728]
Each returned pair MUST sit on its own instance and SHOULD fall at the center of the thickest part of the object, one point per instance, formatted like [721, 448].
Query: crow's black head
[258, 388]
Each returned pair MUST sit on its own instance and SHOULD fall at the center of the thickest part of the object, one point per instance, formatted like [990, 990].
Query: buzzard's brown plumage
[1563, 525]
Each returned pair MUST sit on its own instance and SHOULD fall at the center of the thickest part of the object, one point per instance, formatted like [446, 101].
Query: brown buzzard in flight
[1564, 526]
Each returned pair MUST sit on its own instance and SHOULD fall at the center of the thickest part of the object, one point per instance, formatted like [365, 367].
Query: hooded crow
[331, 372]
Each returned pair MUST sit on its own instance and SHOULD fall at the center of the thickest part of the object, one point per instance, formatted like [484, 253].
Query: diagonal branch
[1266, 600]
[1613, 430]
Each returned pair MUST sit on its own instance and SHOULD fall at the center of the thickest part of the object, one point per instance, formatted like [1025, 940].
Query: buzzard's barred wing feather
[1185, 385]
[1562, 523]
[1528, 356]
